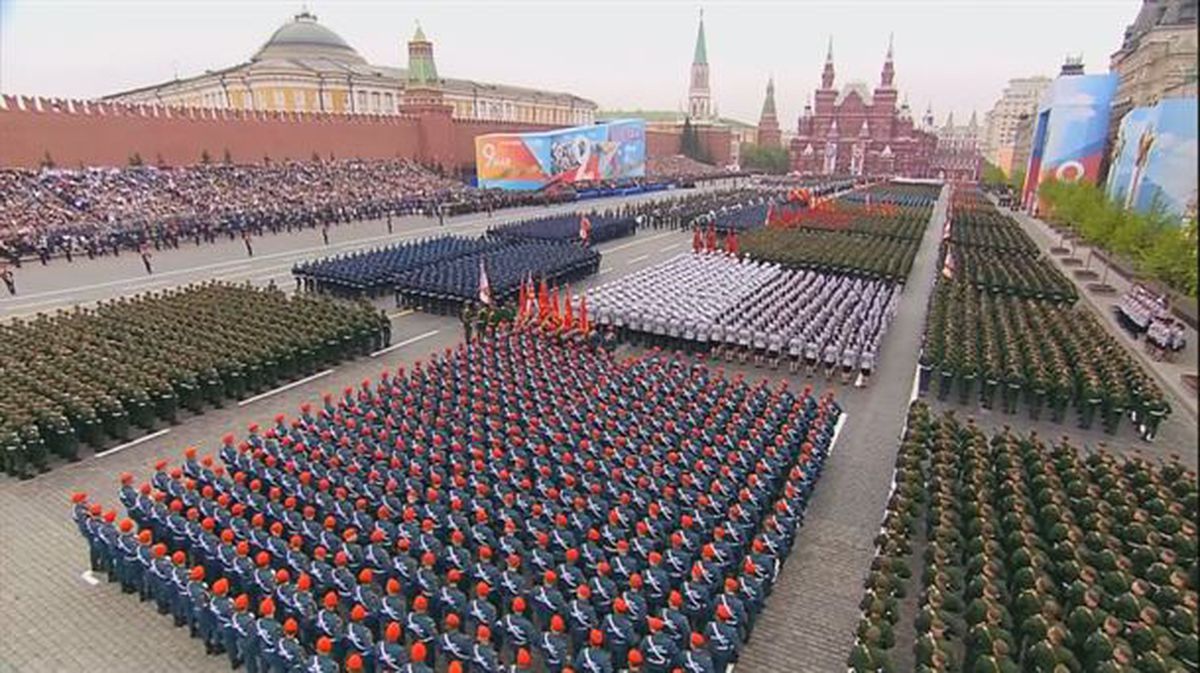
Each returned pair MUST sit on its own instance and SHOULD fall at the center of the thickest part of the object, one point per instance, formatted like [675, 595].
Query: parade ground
[60, 617]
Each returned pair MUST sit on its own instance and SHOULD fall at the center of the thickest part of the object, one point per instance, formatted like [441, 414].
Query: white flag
[485, 287]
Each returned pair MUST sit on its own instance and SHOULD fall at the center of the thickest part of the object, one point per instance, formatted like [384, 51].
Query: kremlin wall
[73, 133]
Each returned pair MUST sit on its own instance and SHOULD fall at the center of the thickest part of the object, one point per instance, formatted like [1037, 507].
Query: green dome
[303, 37]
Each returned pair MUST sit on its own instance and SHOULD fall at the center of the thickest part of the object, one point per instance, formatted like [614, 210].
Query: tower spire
[889, 71]
[700, 57]
[827, 73]
[699, 97]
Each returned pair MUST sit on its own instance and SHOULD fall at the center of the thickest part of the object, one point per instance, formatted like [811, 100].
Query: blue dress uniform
[196, 602]
[266, 637]
[239, 632]
[125, 562]
[357, 636]
[419, 626]
[217, 618]
[289, 653]
[658, 649]
[554, 645]
[547, 600]
[388, 655]
[594, 658]
[723, 641]
[675, 623]
[485, 659]
[453, 644]
[581, 618]
[518, 631]
[618, 633]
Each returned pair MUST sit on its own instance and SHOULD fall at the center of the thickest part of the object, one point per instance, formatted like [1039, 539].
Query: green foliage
[992, 175]
[1158, 245]
[767, 159]
[1017, 180]
[690, 145]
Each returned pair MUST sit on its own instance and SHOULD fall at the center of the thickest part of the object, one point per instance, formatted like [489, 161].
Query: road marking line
[837, 430]
[90, 577]
[404, 343]
[284, 387]
[401, 314]
[325, 250]
[635, 260]
[135, 442]
[633, 243]
[604, 270]
[669, 247]
[916, 384]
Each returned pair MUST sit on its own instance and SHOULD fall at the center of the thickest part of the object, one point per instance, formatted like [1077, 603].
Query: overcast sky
[621, 53]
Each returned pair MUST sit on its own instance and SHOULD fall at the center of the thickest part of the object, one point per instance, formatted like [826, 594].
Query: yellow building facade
[306, 67]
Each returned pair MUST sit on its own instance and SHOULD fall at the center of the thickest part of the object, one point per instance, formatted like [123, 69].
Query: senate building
[306, 67]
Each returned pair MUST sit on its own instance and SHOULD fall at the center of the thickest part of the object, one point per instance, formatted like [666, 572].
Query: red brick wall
[111, 138]
[661, 143]
[106, 134]
[716, 141]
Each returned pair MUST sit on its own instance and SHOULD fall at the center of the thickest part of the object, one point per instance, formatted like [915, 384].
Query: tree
[136, 159]
[1017, 180]
[767, 159]
[993, 175]
[47, 160]
[690, 145]
[228, 158]
[1156, 243]
[205, 157]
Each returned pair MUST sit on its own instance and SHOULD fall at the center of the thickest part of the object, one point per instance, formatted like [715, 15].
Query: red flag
[543, 301]
[568, 313]
[948, 266]
[531, 304]
[770, 215]
[554, 304]
[697, 242]
[711, 244]
[731, 243]
[521, 299]
[583, 316]
[585, 229]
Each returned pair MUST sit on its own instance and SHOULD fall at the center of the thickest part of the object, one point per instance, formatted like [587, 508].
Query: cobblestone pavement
[809, 624]
[53, 619]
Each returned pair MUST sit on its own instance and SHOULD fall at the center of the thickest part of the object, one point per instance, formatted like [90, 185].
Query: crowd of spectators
[99, 211]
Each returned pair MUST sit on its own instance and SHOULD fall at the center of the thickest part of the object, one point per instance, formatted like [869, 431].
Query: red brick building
[856, 131]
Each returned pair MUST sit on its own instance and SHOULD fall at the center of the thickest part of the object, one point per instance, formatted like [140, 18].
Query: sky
[623, 54]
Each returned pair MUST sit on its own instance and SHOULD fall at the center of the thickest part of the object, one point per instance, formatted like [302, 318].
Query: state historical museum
[855, 131]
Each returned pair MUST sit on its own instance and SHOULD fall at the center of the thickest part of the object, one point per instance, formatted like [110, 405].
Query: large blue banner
[1154, 160]
[611, 151]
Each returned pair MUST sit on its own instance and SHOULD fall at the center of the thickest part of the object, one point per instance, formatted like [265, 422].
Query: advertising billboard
[1072, 126]
[608, 151]
[1154, 159]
